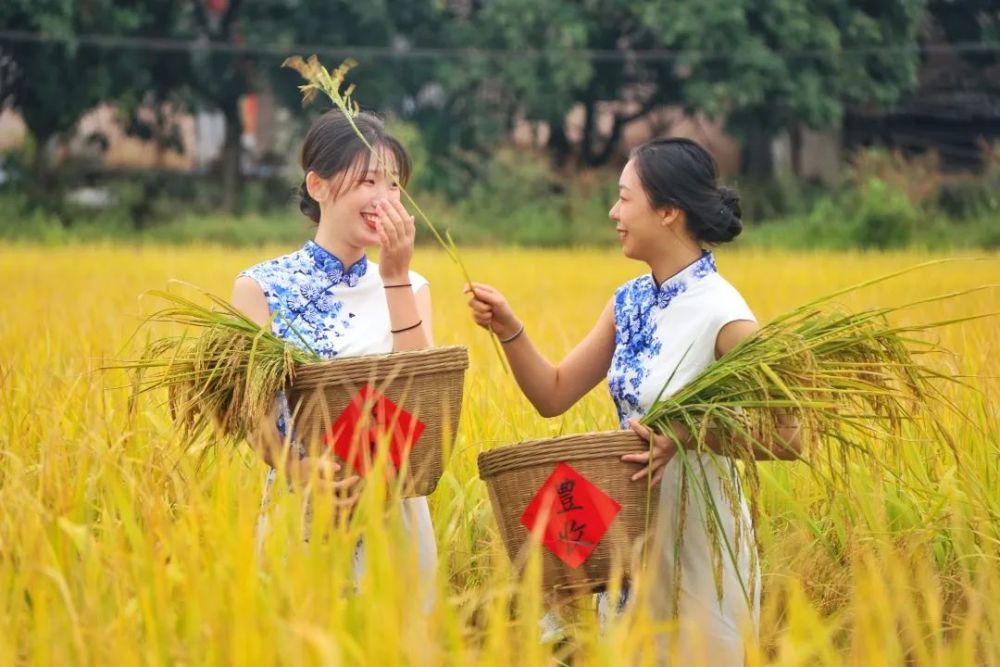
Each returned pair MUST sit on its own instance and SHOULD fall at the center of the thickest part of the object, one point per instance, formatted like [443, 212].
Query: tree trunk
[44, 190]
[232, 177]
[39, 168]
[558, 144]
[795, 147]
[601, 157]
[758, 162]
[589, 130]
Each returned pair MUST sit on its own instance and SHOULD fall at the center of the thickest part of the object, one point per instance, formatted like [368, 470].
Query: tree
[762, 65]
[390, 80]
[556, 60]
[218, 78]
[769, 65]
[52, 82]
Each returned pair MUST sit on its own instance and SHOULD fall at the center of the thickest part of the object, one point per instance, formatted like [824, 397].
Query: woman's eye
[394, 185]
[369, 181]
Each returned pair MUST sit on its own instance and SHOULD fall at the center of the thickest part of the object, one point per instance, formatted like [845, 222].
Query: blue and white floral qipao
[318, 303]
[665, 335]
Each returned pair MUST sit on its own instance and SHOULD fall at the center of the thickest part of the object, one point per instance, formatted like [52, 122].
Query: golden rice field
[115, 549]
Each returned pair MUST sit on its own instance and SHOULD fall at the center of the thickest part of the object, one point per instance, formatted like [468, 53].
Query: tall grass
[115, 549]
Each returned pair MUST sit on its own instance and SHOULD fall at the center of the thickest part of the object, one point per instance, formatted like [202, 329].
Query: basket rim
[566, 448]
[426, 361]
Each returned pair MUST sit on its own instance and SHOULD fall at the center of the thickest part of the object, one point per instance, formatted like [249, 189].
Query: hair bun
[731, 215]
[731, 200]
[308, 205]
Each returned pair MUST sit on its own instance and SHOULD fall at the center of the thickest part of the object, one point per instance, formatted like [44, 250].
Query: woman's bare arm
[552, 389]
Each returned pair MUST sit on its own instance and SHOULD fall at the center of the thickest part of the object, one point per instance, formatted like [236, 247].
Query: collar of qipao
[331, 266]
[678, 283]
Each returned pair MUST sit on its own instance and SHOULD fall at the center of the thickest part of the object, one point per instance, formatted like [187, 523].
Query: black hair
[332, 147]
[679, 173]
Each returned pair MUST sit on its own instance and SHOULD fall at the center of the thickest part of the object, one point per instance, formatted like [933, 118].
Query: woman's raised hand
[490, 310]
[396, 231]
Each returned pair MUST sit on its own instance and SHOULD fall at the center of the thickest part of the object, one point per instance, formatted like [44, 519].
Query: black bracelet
[514, 337]
[399, 285]
[396, 331]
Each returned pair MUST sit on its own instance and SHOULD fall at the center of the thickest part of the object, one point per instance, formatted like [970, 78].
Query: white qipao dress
[667, 333]
[314, 300]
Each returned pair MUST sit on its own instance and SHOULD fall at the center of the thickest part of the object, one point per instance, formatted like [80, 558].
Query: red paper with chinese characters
[368, 418]
[576, 514]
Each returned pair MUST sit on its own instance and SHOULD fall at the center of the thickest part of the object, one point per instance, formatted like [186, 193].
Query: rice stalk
[854, 382]
[227, 376]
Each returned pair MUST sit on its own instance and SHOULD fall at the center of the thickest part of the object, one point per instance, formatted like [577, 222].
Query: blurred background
[846, 123]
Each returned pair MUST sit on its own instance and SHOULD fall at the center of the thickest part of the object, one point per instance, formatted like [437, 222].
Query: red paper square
[368, 418]
[571, 513]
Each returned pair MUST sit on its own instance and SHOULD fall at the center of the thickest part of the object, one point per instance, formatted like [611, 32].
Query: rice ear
[854, 381]
[225, 377]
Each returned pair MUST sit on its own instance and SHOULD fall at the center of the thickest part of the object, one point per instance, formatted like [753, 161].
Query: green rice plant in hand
[229, 374]
[853, 382]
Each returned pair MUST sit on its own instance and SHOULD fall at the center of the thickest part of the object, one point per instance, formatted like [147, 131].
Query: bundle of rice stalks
[228, 375]
[853, 381]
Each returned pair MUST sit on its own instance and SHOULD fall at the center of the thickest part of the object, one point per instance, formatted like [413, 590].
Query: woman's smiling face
[639, 226]
[350, 204]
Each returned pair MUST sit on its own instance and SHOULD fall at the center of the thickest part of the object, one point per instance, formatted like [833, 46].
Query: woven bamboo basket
[518, 477]
[406, 402]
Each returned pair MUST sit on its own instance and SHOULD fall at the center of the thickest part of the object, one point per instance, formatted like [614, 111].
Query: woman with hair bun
[329, 296]
[656, 334]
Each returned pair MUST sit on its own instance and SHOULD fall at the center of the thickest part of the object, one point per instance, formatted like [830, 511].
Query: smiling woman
[329, 298]
[656, 334]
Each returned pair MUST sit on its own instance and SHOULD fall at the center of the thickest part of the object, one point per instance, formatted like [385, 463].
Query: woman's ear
[669, 216]
[316, 186]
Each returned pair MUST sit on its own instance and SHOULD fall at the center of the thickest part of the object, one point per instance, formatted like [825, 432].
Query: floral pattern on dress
[636, 341]
[298, 290]
[304, 311]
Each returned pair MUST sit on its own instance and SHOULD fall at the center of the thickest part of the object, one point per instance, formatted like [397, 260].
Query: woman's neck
[672, 261]
[348, 254]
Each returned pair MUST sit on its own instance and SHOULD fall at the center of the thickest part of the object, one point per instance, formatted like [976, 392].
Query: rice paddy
[116, 549]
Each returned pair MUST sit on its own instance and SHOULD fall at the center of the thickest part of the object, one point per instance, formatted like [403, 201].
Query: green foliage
[883, 218]
[519, 199]
[546, 69]
[766, 65]
[53, 83]
[970, 198]
[774, 198]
